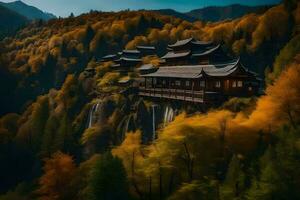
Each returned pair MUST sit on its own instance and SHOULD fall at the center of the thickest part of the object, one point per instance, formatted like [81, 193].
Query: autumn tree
[55, 182]
[131, 153]
[285, 57]
[286, 101]
[32, 130]
[89, 35]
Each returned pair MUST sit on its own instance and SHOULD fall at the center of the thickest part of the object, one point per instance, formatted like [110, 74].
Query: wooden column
[161, 89]
[145, 85]
[169, 86]
[193, 83]
[184, 94]
[153, 87]
[204, 89]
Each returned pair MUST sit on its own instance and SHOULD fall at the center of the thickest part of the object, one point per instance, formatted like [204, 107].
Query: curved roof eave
[180, 42]
[226, 71]
[207, 52]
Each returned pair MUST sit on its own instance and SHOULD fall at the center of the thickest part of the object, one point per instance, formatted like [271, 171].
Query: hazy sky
[65, 7]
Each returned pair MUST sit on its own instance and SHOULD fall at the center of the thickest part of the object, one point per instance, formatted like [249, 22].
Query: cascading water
[127, 125]
[92, 112]
[168, 116]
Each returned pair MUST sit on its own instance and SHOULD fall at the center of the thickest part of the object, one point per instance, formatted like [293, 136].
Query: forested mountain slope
[30, 12]
[10, 21]
[41, 55]
[50, 150]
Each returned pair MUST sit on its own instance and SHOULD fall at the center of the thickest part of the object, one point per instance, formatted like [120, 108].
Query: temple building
[146, 50]
[126, 60]
[199, 72]
[191, 51]
[146, 69]
[110, 57]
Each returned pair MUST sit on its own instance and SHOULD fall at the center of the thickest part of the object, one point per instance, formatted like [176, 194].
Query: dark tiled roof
[109, 56]
[204, 43]
[206, 51]
[129, 59]
[172, 54]
[181, 42]
[135, 51]
[116, 65]
[146, 67]
[196, 71]
[146, 47]
[195, 53]
[194, 41]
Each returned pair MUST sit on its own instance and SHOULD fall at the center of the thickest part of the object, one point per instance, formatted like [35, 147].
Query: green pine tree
[234, 183]
[268, 184]
[108, 179]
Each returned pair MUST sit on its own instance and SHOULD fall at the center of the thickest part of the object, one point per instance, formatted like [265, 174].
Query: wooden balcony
[176, 94]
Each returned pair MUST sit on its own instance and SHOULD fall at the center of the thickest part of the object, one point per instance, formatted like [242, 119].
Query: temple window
[233, 84]
[240, 83]
[148, 82]
[154, 81]
[218, 84]
[202, 83]
[187, 83]
[177, 83]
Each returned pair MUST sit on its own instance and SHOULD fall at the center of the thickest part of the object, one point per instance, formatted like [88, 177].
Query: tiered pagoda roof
[198, 71]
[133, 55]
[189, 40]
[172, 54]
[191, 49]
[205, 51]
[145, 47]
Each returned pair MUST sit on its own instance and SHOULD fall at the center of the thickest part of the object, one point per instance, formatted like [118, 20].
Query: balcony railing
[177, 94]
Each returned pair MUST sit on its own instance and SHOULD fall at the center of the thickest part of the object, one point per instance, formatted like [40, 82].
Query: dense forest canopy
[50, 149]
[68, 45]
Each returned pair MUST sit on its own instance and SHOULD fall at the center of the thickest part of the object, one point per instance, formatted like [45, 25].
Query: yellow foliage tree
[131, 152]
[267, 29]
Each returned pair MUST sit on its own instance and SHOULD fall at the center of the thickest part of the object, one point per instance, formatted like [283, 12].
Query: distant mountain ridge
[10, 21]
[216, 13]
[219, 13]
[177, 14]
[30, 12]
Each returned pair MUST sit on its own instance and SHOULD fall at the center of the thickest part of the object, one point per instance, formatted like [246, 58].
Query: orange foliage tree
[55, 183]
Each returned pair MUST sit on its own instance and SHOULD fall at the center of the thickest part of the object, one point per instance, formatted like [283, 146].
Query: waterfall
[168, 116]
[90, 118]
[93, 110]
[127, 126]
